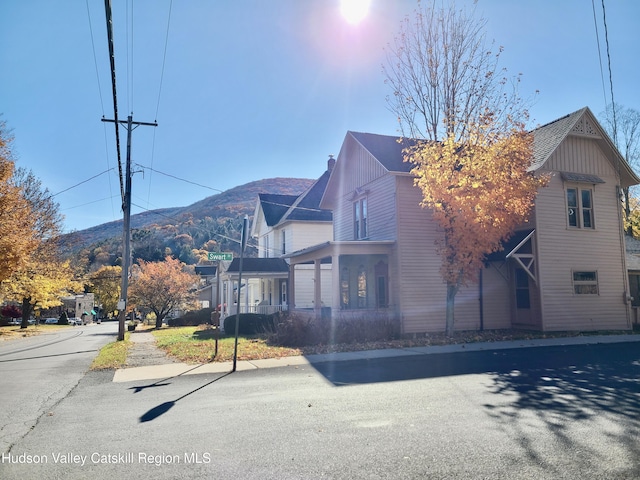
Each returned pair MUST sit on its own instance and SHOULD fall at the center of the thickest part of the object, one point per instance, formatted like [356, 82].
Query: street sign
[215, 256]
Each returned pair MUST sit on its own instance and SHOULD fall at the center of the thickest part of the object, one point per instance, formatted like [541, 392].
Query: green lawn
[194, 345]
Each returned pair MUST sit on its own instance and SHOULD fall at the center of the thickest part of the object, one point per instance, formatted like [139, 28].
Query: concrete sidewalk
[169, 370]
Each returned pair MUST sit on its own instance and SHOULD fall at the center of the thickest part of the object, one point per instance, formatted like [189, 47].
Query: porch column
[292, 287]
[317, 288]
[335, 281]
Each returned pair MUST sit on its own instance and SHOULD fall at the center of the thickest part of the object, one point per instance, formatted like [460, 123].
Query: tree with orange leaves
[472, 154]
[16, 220]
[162, 287]
[479, 191]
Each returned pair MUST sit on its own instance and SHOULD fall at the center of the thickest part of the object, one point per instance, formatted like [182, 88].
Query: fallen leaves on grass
[197, 344]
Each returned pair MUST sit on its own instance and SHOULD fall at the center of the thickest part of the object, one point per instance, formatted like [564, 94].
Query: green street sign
[225, 257]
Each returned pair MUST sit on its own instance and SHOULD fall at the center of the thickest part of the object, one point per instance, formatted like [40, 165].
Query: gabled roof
[386, 149]
[275, 206]
[206, 270]
[547, 138]
[307, 206]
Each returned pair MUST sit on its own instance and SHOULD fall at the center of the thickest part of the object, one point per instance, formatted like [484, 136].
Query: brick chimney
[331, 163]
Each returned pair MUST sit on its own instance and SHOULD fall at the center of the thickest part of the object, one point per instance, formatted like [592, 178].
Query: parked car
[50, 320]
[75, 321]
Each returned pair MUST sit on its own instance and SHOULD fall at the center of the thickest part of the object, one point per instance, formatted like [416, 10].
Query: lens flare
[354, 11]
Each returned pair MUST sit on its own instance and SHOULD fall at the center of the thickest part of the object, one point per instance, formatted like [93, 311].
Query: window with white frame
[580, 207]
[585, 283]
[284, 242]
[360, 219]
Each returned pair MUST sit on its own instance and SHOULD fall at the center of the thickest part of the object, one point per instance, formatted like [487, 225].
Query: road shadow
[163, 408]
[587, 388]
[500, 363]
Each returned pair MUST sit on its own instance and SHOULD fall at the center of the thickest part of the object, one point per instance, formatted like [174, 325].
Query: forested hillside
[187, 233]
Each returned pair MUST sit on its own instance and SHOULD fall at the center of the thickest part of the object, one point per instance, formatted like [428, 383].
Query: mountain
[214, 222]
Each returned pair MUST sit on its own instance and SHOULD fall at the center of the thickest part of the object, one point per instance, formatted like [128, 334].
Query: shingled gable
[547, 138]
[307, 206]
[274, 206]
[388, 150]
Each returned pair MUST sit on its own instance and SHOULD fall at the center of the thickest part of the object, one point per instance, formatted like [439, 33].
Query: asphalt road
[37, 372]
[543, 413]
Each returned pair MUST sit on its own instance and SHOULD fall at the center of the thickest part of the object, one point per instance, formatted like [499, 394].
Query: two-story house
[282, 224]
[564, 270]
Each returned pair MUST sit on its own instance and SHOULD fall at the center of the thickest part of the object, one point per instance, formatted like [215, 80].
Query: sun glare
[354, 11]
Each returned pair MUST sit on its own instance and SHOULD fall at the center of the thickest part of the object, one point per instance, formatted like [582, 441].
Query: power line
[112, 61]
[235, 240]
[164, 59]
[181, 179]
[95, 62]
[84, 181]
[595, 22]
[613, 103]
[95, 59]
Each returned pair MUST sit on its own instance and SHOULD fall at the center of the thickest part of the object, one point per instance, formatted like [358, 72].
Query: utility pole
[126, 229]
[243, 243]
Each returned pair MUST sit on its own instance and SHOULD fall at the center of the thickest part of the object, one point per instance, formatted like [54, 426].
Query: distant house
[208, 295]
[282, 224]
[564, 270]
[633, 268]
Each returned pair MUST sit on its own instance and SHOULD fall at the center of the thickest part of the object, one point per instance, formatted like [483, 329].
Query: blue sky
[254, 89]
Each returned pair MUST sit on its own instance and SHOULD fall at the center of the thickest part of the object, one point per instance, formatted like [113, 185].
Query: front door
[382, 289]
[523, 298]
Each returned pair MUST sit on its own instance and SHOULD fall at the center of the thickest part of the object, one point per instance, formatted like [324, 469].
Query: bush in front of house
[249, 324]
[296, 330]
[192, 319]
[63, 320]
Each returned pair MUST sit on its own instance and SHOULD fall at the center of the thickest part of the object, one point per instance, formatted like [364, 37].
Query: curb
[156, 372]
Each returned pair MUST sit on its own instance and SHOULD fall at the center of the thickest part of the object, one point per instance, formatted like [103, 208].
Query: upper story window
[360, 219]
[580, 207]
[284, 242]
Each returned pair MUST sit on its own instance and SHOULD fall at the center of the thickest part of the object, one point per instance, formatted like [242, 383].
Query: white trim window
[360, 227]
[585, 283]
[580, 207]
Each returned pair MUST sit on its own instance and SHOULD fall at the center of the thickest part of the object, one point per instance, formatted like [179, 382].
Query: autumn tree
[162, 287]
[44, 277]
[471, 153]
[105, 283]
[623, 126]
[16, 220]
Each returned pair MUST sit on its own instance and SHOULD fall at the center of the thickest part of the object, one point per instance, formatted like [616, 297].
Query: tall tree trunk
[452, 290]
[159, 319]
[26, 312]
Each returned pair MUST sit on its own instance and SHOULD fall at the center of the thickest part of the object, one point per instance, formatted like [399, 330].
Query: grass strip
[195, 345]
[113, 355]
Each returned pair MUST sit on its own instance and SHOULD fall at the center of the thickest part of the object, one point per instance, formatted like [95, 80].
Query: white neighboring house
[283, 224]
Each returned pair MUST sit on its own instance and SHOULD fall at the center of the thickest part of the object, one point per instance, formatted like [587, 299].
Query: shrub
[249, 324]
[296, 330]
[63, 320]
[192, 319]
